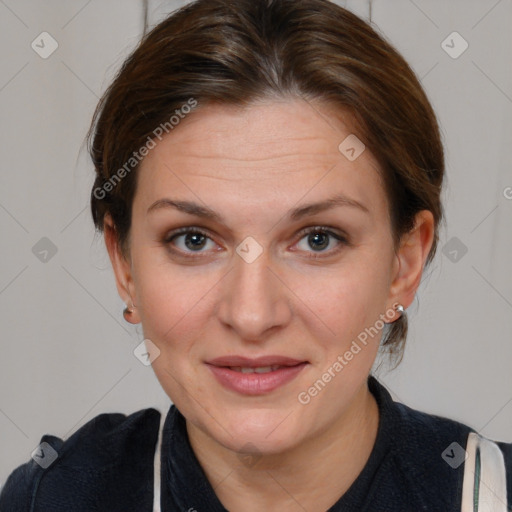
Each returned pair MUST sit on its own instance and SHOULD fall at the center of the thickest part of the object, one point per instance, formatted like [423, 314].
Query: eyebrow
[295, 214]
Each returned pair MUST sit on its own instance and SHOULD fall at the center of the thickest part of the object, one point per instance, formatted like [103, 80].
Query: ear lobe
[412, 255]
[121, 266]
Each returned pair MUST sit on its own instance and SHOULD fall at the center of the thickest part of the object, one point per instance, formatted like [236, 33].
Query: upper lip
[247, 362]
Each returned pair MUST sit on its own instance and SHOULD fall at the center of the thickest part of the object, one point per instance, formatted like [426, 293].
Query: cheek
[173, 315]
[170, 297]
[344, 301]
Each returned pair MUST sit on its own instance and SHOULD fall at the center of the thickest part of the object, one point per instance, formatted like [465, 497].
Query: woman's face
[266, 277]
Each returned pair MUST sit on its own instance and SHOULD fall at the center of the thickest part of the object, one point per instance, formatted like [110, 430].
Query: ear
[411, 257]
[121, 266]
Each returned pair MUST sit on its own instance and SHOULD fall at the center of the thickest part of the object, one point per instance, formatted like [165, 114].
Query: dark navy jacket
[107, 466]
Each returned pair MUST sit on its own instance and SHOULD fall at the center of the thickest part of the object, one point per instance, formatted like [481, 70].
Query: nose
[254, 300]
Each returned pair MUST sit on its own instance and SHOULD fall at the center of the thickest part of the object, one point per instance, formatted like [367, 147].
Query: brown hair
[235, 52]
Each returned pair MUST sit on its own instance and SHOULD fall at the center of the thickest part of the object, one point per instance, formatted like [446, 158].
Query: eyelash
[304, 232]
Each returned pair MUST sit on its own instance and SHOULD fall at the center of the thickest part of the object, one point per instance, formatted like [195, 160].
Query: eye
[189, 240]
[320, 238]
[193, 240]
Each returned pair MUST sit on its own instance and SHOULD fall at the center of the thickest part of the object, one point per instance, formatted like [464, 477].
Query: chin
[262, 430]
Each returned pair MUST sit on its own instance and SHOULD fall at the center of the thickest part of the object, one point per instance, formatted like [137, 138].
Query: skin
[252, 166]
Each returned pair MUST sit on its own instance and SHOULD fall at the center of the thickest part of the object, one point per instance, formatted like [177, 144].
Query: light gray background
[66, 352]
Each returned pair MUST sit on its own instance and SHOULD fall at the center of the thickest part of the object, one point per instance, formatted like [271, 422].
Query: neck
[310, 476]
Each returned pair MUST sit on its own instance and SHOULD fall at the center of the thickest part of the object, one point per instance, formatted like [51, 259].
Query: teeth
[263, 369]
[259, 369]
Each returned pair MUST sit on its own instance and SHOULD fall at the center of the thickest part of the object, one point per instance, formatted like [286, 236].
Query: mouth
[255, 376]
[258, 369]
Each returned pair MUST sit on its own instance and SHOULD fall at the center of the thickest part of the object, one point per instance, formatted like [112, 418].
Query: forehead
[269, 152]
[262, 128]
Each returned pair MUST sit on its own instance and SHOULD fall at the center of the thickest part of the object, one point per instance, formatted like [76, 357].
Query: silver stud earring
[399, 309]
[127, 312]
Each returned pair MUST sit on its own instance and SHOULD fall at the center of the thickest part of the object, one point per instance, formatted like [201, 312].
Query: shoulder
[428, 455]
[82, 471]
[442, 456]
[444, 432]
[431, 427]
[415, 431]
[420, 430]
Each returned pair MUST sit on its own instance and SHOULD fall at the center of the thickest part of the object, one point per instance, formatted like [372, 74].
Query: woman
[268, 179]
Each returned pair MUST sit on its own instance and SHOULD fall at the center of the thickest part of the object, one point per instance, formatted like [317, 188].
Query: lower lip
[255, 383]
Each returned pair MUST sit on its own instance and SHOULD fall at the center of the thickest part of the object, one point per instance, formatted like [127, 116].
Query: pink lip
[254, 362]
[255, 383]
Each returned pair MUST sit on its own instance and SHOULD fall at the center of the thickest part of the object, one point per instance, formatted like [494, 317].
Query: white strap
[469, 474]
[485, 481]
[157, 467]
